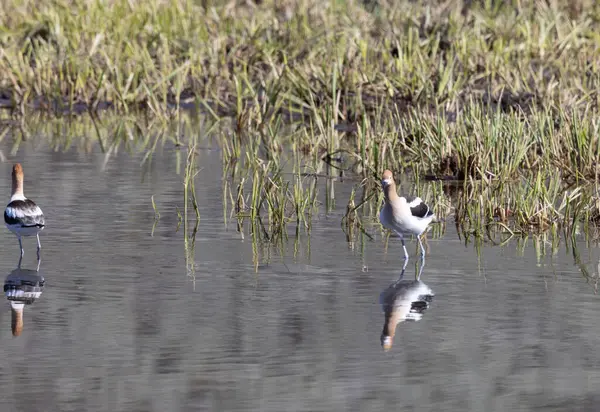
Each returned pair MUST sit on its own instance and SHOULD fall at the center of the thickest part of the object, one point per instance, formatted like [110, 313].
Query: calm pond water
[120, 326]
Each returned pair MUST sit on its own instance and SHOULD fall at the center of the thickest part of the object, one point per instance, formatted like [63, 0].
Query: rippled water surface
[123, 325]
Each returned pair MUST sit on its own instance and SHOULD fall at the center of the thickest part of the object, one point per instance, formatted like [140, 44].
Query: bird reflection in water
[403, 300]
[22, 287]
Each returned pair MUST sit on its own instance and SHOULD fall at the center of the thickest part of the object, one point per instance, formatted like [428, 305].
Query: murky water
[121, 325]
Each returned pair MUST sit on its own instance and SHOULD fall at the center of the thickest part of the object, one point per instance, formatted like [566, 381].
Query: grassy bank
[501, 97]
[350, 55]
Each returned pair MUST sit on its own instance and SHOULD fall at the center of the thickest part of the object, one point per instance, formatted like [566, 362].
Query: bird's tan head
[386, 342]
[387, 179]
[17, 170]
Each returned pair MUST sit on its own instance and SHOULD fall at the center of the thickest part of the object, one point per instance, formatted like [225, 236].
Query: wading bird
[22, 216]
[404, 216]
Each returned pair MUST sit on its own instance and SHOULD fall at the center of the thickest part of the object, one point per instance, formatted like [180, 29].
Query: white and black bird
[404, 300]
[22, 216]
[403, 215]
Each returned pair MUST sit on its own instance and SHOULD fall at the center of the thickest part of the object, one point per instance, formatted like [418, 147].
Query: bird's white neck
[17, 196]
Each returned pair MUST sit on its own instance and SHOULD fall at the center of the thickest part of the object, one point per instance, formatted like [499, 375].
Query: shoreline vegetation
[491, 107]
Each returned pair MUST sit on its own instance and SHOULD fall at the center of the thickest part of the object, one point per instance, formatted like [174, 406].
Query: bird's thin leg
[20, 259]
[421, 269]
[39, 246]
[404, 267]
[38, 265]
[422, 248]
[21, 246]
[403, 245]
[402, 273]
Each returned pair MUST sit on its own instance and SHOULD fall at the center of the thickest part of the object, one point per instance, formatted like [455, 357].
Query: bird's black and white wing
[24, 213]
[418, 208]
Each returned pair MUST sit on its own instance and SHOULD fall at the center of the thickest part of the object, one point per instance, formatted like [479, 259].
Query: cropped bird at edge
[403, 215]
[22, 216]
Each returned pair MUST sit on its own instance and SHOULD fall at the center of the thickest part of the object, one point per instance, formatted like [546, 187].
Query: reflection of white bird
[403, 300]
[22, 216]
[22, 287]
[404, 216]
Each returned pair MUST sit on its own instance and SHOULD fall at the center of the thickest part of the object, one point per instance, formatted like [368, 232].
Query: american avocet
[403, 215]
[22, 287]
[22, 216]
[403, 300]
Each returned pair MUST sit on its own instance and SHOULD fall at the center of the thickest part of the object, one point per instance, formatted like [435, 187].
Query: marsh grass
[191, 170]
[491, 108]
[337, 61]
